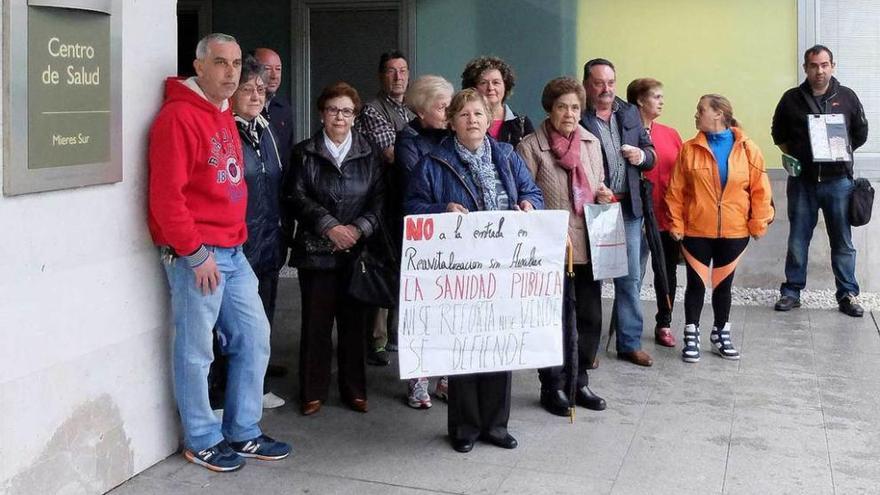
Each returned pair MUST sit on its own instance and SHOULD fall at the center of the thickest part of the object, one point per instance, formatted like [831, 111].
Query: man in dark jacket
[824, 185]
[277, 108]
[627, 151]
[380, 121]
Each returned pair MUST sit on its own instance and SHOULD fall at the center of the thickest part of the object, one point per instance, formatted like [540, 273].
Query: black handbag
[861, 201]
[375, 280]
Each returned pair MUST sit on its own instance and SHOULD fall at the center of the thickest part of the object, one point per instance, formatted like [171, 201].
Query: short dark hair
[250, 68]
[594, 62]
[559, 87]
[385, 57]
[639, 88]
[817, 49]
[476, 67]
[336, 90]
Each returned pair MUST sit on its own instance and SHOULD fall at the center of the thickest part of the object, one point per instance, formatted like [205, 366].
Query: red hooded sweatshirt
[197, 191]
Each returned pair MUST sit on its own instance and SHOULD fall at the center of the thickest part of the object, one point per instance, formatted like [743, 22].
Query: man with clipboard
[818, 125]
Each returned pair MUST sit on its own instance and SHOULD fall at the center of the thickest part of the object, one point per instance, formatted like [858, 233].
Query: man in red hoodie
[198, 200]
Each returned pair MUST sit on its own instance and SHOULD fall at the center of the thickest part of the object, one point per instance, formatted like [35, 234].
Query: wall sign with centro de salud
[71, 96]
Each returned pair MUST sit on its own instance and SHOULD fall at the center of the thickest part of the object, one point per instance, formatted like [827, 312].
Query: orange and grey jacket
[699, 207]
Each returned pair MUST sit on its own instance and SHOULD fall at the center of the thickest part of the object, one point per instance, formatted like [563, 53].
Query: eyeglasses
[399, 72]
[346, 112]
[249, 90]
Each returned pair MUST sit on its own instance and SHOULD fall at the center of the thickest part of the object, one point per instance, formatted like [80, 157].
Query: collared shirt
[377, 129]
[609, 135]
[338, 152]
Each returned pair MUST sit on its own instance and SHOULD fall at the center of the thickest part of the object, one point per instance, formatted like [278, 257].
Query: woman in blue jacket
[472, 172]
[428, 97]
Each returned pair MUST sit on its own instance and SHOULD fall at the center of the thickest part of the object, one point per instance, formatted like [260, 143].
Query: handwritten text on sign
[481, 292]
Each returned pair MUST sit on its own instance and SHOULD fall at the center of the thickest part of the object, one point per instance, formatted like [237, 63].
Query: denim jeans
[805, 199]
[235, 307]
[627, 307]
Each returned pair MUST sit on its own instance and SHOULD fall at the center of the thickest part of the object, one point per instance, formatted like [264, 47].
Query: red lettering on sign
[419, 228]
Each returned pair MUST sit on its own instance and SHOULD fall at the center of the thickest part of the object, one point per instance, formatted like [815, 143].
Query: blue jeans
[805, 199]
[235, 307]
[627, 306]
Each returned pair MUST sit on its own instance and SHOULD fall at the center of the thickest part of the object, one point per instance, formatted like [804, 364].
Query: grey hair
[425, 90]
[250, 68]
[202, 47]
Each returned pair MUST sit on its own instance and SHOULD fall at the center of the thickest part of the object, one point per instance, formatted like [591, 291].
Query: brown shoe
[664, 337]
[311, 407]
[359, 405]
[640, 358]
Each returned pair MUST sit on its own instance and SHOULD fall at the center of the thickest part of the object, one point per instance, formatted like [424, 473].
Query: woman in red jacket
[719, 195]
[647, 95]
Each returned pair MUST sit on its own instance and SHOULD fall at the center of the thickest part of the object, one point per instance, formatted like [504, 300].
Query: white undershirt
[338, 152]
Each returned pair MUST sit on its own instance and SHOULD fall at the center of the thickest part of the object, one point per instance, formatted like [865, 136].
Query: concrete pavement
[797, 415]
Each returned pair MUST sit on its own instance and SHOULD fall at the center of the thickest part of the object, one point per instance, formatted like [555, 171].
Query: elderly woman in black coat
[334, 190]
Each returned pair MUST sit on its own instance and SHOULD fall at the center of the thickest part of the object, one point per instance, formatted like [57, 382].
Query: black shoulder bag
[861, 201]
[375, 279]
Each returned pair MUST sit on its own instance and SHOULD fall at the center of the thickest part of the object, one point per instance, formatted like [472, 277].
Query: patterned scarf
[484, 173]
[567, 151]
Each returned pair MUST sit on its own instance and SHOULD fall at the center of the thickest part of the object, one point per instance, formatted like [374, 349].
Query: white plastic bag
[607, 240]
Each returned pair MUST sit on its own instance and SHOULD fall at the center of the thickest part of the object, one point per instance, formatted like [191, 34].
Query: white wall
[85, 394]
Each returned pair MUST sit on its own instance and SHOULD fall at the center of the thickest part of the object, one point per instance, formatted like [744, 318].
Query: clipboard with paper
[829, 138]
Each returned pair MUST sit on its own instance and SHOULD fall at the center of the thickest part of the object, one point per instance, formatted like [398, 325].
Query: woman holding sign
[334, 189]
[566, 161]
[718, 196]
[473, 172]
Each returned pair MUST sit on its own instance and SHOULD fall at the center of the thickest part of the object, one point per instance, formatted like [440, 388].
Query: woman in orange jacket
[718, 197]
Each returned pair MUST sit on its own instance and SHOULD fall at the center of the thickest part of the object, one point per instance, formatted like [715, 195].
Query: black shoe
[586, 398]
[850, 305]
[505, 442]
[276, 370]
[463, 445]
[787, 303]
[378, 357]
[554, 402]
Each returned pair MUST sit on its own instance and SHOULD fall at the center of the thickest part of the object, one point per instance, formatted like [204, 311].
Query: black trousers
[724, 255]
[479, 405]
[588, 293]
[672, 252]
[325, 299]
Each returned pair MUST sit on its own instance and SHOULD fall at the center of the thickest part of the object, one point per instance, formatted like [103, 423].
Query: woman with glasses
[262, 174]
[334, 190]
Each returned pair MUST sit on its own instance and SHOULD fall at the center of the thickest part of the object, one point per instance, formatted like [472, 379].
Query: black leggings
[724, 255]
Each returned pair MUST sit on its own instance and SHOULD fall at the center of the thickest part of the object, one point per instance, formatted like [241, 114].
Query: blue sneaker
[262, 448]
[219, 458]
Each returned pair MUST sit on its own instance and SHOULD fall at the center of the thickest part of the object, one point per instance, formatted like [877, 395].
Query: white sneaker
[271, 401]
[442, 390]
[418, 394]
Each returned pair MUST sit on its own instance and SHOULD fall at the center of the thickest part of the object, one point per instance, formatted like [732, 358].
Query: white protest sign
[481, 292]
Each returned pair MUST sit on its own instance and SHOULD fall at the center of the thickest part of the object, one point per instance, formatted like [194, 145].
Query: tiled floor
[799, 414]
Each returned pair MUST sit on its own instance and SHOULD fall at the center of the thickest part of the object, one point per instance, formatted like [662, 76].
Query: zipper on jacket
[459, 177]
[825, 111]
